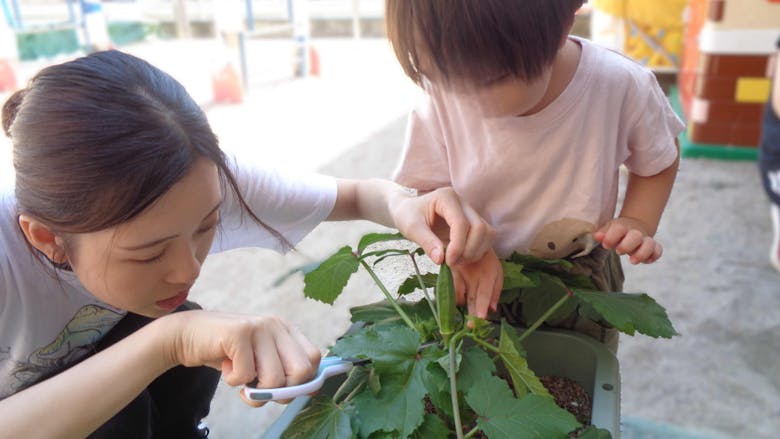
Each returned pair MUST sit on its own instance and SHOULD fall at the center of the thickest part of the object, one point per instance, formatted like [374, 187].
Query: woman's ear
[42, 238]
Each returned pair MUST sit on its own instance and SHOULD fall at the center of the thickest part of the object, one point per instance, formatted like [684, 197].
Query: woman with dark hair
[121, 192]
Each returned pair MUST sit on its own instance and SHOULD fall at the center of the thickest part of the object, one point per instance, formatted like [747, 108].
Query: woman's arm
[419, 218]
[77, 401]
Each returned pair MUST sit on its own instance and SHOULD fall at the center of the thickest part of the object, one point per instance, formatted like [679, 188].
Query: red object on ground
[7, 76]
[226, 85]
[314, 62]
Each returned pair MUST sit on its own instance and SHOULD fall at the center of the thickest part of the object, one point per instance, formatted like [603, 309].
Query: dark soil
[568, 394]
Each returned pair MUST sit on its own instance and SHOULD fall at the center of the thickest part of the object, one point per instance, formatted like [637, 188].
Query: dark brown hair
[98, 139]
[472, 40]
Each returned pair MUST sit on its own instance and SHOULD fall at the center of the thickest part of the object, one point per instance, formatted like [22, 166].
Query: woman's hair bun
[10, 108]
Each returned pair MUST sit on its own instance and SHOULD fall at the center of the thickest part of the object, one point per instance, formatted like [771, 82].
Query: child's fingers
[644, 252]
[658, 250]
[630, 243]
[460, 286]
[613, 234]
[487, 296]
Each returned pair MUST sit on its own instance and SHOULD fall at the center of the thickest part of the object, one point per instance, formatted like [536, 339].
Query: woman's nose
[185, 268]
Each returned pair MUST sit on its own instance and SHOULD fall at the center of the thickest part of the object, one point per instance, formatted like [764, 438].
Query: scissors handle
[329, 366]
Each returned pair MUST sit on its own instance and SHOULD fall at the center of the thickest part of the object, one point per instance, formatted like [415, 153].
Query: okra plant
[431, 374]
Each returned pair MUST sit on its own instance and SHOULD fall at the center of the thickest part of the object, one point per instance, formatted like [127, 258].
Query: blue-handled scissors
[329, 366]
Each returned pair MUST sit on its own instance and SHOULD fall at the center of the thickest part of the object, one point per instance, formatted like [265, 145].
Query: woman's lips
[174, 302]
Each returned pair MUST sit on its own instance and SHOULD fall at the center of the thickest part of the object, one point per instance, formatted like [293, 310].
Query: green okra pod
[445, 302]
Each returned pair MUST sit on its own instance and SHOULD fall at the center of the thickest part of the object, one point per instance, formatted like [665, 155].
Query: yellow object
[653, 29]
[663, 13]
[752, 90]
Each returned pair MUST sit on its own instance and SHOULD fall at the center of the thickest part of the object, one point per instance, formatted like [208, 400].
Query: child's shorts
[604, 269]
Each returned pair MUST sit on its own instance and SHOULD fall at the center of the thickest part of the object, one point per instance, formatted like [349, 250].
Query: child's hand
[478, 284]
[628, 237]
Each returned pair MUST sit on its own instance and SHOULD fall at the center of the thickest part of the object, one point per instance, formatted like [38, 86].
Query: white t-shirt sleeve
[651, 137]
[291, 204]
[424, 164]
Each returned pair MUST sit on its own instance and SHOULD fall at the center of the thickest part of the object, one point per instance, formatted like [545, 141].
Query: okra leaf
[403, 372]
[305, 268]
[438, 387]
[512, 354]
[593, 432]
[412, 283]
[475, 362]
[322, 419]
[630, 313]
[373, 238]
[537, 300]
[327, 281]
[502, 416]
[534, 263]
[432, 427]
[385, 435]
[514, 277]
[382, 312]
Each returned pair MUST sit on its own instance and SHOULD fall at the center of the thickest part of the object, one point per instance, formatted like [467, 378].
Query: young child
[769, 159]
[121, 192]
[530, 126]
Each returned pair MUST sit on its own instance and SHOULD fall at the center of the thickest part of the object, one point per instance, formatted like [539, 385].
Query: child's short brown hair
[474, 40]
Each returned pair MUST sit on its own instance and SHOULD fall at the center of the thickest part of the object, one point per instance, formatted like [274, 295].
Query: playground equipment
[85, 18]
[648, 31]
[235, 27]
[723, 83]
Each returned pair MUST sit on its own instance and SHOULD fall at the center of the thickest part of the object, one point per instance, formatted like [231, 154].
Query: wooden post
[180, 18]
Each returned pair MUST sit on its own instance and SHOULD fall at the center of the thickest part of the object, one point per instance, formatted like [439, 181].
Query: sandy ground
[721, 378]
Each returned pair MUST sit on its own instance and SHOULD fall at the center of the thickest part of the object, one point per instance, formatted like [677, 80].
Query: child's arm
[631, 233]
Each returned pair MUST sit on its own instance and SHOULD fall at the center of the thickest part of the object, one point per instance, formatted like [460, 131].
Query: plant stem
[454, 385]
[388, 295]
[354, 391]
[544, 316]
[483, 343]
[471, 433]
[424, 290]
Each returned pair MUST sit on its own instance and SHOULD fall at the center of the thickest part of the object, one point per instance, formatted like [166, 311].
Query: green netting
[48, 44]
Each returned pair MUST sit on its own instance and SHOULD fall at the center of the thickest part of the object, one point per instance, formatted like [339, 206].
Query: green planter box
[550, 352]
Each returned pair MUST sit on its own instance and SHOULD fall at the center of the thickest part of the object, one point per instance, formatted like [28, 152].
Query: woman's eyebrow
[163, 239]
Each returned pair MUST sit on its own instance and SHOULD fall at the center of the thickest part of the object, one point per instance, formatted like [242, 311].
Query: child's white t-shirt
[47, 324]
[521, 173]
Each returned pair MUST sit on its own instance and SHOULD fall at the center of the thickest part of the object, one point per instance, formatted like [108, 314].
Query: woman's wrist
[164, 341]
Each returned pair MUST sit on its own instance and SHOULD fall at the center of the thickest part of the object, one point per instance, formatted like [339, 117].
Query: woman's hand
[243, 347]
[434, 220]
[478, 284]
[629, 237]
[440, 217]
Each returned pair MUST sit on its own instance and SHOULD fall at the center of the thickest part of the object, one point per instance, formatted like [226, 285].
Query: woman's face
[148, 264]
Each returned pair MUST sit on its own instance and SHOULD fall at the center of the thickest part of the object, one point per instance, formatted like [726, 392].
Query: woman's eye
[151, 260]
[208, 228]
